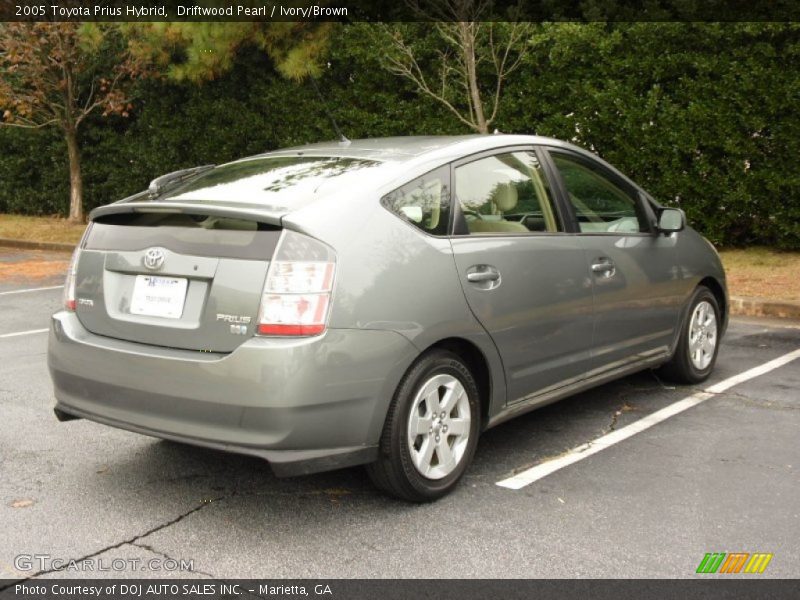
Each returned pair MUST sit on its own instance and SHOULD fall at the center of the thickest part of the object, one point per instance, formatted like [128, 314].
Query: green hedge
[706, 116]
[703, 115]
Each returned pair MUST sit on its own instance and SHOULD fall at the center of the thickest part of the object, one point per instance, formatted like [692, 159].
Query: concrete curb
[30, 245]
[761, 307]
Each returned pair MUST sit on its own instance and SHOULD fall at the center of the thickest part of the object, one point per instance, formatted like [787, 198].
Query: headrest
[504, 197]
[433, 196]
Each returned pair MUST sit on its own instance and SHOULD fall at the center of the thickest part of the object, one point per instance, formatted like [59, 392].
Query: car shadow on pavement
[164, 468]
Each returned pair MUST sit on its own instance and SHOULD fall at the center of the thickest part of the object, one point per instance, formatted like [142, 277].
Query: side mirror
[671, 220]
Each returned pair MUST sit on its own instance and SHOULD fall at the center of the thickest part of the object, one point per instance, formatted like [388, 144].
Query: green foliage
[34, 175]
[707, 115]
[202, 51]
[704, 116]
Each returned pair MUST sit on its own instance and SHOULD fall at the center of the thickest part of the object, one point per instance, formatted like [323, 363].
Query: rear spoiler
[272, 215]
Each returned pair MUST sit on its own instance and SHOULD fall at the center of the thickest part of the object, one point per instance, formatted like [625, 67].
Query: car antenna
[343, 141]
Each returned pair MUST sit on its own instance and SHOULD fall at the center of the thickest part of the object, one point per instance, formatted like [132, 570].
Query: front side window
[424, 202]
[505, 193]
[600, 205]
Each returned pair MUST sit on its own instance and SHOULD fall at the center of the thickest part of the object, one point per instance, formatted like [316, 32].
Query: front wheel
[431, 430]
[698, 344]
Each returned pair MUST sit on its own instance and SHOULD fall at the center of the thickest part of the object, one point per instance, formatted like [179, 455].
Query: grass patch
[40, 229]
[763, 273]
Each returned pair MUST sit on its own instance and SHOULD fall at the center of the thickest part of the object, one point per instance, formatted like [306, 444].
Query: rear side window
[424, 202]
[601, 205]
[505, 193]
[190, 234]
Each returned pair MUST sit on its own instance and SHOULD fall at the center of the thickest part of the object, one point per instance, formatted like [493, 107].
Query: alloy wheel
[702, 335]
[439, 426]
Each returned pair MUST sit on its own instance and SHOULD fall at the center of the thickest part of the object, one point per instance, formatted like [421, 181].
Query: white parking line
[41, 289]
[536, 473]
[19, 333]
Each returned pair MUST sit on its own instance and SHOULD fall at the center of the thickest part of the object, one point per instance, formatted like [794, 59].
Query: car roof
[394, 160]
[385, 148]
[409, 148]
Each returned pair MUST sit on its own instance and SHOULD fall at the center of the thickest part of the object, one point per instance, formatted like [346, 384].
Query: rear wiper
[160, 184]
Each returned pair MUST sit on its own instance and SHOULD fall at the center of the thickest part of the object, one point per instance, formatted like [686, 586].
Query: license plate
[158, 296]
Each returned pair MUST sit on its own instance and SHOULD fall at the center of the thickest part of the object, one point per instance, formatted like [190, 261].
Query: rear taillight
[297, 293]
[69, 284]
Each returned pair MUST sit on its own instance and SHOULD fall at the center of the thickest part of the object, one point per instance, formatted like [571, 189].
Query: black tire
[394, 472]
[681, 368]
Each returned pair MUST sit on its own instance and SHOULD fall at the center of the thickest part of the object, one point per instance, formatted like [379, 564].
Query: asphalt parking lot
[723, 476]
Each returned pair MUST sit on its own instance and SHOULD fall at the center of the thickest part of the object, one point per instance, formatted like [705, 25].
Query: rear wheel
[431, 430]
[698, 344]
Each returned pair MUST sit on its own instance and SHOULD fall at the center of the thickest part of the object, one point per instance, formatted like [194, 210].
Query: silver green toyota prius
[377, 302]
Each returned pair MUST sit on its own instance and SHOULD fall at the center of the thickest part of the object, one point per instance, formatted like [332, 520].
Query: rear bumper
[284, 463]
[304, 405]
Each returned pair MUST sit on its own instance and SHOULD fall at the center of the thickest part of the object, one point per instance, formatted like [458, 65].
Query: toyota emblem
[154, 258]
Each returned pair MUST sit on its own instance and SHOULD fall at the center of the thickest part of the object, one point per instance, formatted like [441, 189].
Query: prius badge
[154, 258]
[238, 323]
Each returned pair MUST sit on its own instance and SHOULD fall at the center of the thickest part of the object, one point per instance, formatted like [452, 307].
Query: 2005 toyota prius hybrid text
[377, 302]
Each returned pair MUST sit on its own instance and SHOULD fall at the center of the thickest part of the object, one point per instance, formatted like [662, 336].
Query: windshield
[280, 181]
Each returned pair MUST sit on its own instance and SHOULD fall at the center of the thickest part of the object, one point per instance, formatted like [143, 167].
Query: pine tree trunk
[75, 178]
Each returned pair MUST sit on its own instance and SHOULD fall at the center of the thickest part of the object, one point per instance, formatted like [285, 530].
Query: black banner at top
[399, 10]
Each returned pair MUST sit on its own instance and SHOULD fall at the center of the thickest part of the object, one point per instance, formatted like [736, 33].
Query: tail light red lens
[297, 293]
[70, 301]
[69, 284]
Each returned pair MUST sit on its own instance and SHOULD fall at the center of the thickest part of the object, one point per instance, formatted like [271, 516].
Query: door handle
[483, 276]
[604, 267]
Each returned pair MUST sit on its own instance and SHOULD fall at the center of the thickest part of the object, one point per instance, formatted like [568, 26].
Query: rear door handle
[483, 276]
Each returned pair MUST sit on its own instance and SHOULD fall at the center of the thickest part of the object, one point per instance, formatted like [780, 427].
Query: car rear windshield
[192, 234]
[279, 182]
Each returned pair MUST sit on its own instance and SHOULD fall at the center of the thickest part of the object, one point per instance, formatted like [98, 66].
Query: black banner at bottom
[388, 589]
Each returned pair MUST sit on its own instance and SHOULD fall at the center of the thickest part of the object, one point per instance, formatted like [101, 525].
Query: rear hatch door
[175, 279]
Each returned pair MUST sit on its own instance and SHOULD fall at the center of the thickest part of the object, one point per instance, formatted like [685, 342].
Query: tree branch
[411, 70]
[36, 125]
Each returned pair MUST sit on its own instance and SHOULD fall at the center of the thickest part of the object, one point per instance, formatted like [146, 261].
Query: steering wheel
[472, 213]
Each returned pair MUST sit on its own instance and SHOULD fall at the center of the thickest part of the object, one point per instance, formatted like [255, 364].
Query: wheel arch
[719, 294]
[478, 365]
